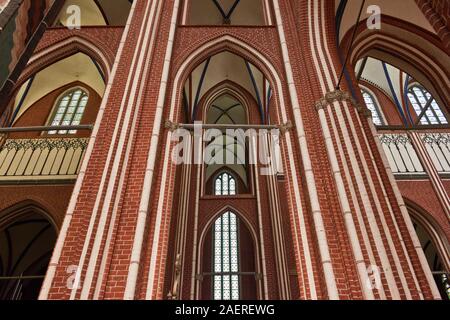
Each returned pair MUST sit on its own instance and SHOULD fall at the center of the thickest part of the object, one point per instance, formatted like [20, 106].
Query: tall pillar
[99, 250]
[378, 237]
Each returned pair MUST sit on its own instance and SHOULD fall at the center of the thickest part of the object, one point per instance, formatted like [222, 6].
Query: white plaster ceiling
[406, 10]
[225, 66]
[78, 67]
[226, 110]
[374, 73]
[205, 12]
[98, 13]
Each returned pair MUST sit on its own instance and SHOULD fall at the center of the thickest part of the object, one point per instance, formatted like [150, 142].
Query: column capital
[334, 96]
[172, 126]
[341, 96]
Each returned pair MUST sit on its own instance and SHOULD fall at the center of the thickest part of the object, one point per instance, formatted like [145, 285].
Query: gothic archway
[27, 239]
[229, 266]
[435, 246]
[226, 64]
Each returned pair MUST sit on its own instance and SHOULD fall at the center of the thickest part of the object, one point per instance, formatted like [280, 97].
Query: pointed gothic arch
[250, 286]
[257, 60]
[228, 43]
[102, 56]
[433, 228]
[435, 245]
[411, 53]
[27, 238]
[76, 70]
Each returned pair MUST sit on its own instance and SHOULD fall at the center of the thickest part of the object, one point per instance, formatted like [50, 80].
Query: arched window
[425, 106]
[226, 277]
[69, 110]
[225, 185]
[373, 107]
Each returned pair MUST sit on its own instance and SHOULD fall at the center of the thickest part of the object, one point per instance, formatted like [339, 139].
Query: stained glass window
[225, 185]
[425, 106]
[69, 110]
[373, 107]
[226, 284]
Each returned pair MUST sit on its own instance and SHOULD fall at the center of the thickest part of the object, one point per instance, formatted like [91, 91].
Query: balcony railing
[401, 154]
[41, 159]
[403, 157]
[438, 147]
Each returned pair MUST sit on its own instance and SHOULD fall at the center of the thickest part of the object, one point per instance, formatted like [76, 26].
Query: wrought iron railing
[45, 158]
[404, 159]
[401, 154]
[438, 147]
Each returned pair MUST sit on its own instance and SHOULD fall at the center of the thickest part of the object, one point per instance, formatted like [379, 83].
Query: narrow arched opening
[224, 72]
[434, 259]
[27, 239]
[229, 268]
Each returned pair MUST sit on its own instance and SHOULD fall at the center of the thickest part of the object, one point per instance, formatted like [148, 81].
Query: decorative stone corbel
[285, 127]
[172, 126]
[174, 293]
[340, 96]
[333, 96]
[199, 277]
[259, 276]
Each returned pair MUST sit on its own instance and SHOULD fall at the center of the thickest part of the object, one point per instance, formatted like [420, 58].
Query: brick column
[376, 243]
[405, 273]
[99, 233]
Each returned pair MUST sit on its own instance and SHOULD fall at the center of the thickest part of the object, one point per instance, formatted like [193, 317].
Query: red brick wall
[43, 195]
[438, 14]
[39, 113]
[422, 194]
[266, 41]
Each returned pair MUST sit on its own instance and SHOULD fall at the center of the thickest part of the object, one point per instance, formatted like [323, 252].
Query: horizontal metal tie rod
[46, 128]
[22, 278]
[229, 274]
[440, 273]
[414, 128]
[190, 126]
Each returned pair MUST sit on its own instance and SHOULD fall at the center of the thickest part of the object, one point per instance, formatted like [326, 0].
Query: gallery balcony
[46, 159]
[401, 148]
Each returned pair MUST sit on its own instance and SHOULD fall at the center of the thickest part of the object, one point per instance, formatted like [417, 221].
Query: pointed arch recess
[181, 73]
[440, 240]
[248, 225]
[62, 50]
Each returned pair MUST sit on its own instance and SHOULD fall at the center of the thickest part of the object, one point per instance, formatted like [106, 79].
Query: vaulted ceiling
[214, 12]
[403, 10]
[98, 12]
